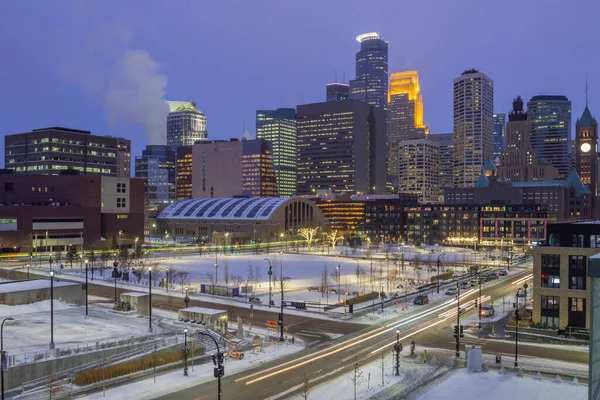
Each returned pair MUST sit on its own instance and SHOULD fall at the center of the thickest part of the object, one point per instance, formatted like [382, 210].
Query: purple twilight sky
[104, 66]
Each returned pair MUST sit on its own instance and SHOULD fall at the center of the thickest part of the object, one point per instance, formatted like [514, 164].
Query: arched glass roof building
[242, 219]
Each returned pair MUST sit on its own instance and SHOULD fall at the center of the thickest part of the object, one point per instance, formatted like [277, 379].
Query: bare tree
[181, 278]
[236, 280]
[249, 277]
[138, 273]
[333, 237]
[171, 274]
[211, 277]
[356, 376]
[363, 275]
[336, 275]
[308, 234]
[382, 365]
[257, 274]
[305, 388]
[324, 281]
[156, 277]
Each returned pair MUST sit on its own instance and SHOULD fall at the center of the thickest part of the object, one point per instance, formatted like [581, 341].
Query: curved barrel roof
[229, 208]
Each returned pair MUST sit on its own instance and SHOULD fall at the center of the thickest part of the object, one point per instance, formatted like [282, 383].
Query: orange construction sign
[272, 323]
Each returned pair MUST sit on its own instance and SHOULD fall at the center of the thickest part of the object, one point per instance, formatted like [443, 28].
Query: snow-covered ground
[173, 381]
[492, 386]
[29, 334]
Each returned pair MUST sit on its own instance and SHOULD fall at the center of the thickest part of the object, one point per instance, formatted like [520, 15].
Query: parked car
[473, 282]
[421, 299]
[313, 289]
[487, 311]
[254, 300]
[464, 285]
[451, 291]
[502, 272]
[494, 275]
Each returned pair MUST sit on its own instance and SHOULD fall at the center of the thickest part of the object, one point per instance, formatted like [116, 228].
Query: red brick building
[51, 212]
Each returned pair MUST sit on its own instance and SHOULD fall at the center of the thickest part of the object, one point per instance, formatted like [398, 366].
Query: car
[473, 282]
[464, 285]
[421, 299]
[254, 300]
[502, 272]
[493, 275]
[451, 291]
[487, 311]
[313, 289]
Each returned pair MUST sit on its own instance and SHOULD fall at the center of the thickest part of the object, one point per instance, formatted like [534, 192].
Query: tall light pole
[479, 301]
[27, 271]
[516, 306]
[135, 250]
[185, 353]
[115, 273]
[281, 338]
[51, 310]
[458, 320]
[167, 276]
[86, 288]
[2, 353]
[270, 275]
[338, 273]
[219, 371]
[438, 271]
[150, 299]
[120, 232]
[398, 348]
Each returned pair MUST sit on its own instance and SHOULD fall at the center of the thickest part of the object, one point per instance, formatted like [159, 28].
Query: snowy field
[29, 333]
[492, 386]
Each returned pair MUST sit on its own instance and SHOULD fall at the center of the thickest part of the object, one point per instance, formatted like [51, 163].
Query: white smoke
[136, 94]
[247, 135]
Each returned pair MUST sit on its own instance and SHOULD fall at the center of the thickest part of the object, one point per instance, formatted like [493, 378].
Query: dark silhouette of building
[156, 166]
[586, 150]
[371, 83]
[337, 91]
[49, 151]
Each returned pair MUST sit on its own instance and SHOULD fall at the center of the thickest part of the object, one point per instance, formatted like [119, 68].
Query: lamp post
[270, 274]
[438, 271]
[86, 288]
[51, 310]
[2, 353]
[27, 271]
[135, 250]
[167, 279]
[219, 371]
[516, 307]
[338, 279]
[115, 273]
[281, 339]
[398, 348]
[216, 274]
[382, 299]
[186, 299]
[120, 232]
[150, 299]
[458, 320]
[345, 303]
[185, 353]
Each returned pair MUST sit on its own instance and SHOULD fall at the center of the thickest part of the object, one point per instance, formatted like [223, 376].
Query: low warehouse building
[27, 292]
[137, 301]
[232, 221]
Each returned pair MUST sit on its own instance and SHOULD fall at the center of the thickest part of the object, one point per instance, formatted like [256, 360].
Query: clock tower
[586, 151]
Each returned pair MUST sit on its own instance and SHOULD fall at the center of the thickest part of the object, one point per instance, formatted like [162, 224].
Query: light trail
[260, 376]
[522, 280]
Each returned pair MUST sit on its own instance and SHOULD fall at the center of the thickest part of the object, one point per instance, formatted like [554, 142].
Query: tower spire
[586, 90]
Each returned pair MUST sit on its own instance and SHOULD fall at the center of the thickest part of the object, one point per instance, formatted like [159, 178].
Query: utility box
[474, 357]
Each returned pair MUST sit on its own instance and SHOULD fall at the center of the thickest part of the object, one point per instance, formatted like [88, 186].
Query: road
[431, 327]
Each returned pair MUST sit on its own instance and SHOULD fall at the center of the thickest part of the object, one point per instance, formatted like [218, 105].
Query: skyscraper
[473, 125]
[550, 126]
[340, 144]
[184, 172]
[519, 162]
[337, 91]
[48, 151]
[499, 134]
[418, 169]
[405, 115]
[157, 166]
[371, 83]
[278, 127]
[586, 151]
[445, 143]
[185, 124]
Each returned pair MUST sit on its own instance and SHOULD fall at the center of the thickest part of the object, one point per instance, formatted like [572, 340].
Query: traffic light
[280, 318]
[214, 361]
[455, 330]
[461, 331]
[220, 358]
[221, 370]
[475, 303]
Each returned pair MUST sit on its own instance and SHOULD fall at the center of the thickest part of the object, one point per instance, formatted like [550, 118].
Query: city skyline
[90, 90]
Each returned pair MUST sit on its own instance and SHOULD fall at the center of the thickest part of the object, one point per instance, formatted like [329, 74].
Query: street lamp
[216, 274]
[51, 310]
[120, 232]
[115, 273]
[167, 275]
[27, 271]
[186, 299]
[516, 307]
[150, 299]
[86, 288]
[398, 348]
[185, 353]
[270, 274]
[438, 271]
[458, 320]
[2, 353]
[345, 303]
[281, 339]
[338, 279]
[135, 250]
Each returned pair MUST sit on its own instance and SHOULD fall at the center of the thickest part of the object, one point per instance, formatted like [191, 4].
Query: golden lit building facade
[418, 169]
[184, 172]
[405, 114]
[258, 174]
